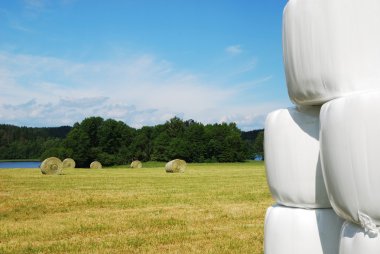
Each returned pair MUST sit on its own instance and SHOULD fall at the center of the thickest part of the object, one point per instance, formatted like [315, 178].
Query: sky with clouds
[141, 61]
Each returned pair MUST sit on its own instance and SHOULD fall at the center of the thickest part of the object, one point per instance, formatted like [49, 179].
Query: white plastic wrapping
[350, 155]
[354, 240]
[291, 146]
[300, 231]
[331, 48]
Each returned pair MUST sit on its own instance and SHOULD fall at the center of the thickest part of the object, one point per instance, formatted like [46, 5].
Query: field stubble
[212, 208]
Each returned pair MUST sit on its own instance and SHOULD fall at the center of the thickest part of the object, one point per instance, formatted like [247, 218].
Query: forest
[115, 143]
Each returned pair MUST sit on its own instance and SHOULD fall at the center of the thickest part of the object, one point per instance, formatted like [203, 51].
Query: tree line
[29, 143]
[114, 143]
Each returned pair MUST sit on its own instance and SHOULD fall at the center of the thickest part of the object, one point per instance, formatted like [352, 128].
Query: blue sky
[141, 61]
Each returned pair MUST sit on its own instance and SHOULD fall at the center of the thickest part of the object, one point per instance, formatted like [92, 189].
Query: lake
[20, 164]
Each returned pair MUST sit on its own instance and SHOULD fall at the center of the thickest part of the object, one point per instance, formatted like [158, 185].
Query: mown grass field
[211, 208]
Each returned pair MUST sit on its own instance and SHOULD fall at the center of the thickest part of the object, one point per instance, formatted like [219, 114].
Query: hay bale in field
[68, 163]
[136, 164]
[95, 165]
[51, 166]
[175, 166]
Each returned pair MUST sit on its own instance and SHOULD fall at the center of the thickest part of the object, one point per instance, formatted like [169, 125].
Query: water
[20, 164]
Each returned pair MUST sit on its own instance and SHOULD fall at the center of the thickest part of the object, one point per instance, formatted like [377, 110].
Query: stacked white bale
[355, 239]
[350, 155]
[331, 48]
[298, 225]
[292, 162]
[296, 231]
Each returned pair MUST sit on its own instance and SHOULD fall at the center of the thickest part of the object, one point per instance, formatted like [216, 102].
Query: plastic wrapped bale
[291, 146]
[68, 163]
[51, 166]
[354, 239]
[299, 231]
[175, 166]
[350, 156]
[136, 164]
[95, 165]
[331, 48]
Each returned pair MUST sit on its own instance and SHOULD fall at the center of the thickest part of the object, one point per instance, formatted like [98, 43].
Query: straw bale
[136, 164]
[175, 166]
[95, 165]
[51, 166]
[68, 163]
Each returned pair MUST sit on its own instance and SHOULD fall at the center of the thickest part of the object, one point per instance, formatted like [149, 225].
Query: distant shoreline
[20, 160]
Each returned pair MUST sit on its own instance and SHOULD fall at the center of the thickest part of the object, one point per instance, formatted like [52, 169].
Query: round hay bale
[136, 164]
[51, 166]
[95, 165]
[68, 163]
[175, 166]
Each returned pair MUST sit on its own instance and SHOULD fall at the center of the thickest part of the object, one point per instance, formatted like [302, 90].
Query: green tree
[178, 148]
[161, 147]
[175, 127]
[114, 142]
[91, 127]
[225, 143]
[78, 141]
[115, 139]
[141, 145]
[195, 141]
[55, 148]
[258, 146]
[111, 136]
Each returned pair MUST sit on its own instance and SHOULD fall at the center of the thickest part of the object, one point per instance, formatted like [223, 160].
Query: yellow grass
[211, 208]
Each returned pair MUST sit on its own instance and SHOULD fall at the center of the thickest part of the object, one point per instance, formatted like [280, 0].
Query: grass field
[211, 208]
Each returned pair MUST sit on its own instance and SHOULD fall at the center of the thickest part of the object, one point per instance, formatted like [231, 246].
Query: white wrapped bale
[299, 231]
[291, 146]
[350, 156]
[331, 48]
[354, 240]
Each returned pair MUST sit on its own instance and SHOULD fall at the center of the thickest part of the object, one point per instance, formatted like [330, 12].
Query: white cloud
[35, 7]
[253, 83]
[234, 49]
[142, 90]
[15, 25]
[35, 3]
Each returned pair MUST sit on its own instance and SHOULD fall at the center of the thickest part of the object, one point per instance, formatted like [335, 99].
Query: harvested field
[211, 208]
